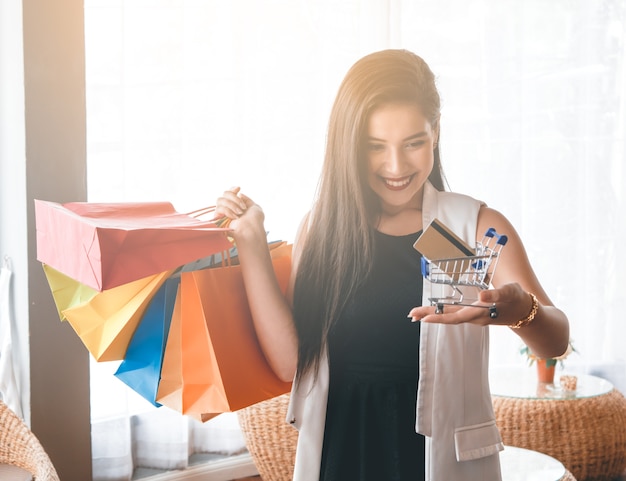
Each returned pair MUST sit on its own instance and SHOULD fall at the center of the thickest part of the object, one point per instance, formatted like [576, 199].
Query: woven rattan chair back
[20, 447]
[270, 440]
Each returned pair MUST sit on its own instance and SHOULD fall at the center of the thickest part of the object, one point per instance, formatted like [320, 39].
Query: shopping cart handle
[502, 239]
[425, 268]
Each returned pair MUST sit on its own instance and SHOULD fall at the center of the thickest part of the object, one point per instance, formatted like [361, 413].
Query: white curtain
[9, 388]
[187, 98]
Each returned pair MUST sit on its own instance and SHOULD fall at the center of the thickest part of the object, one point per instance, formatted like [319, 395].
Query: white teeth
[395, 183]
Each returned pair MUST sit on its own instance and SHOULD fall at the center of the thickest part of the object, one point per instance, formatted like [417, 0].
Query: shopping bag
[170, 384]
[66, 291]
[213, 362]
[141, 368]
[106, 323]
[231, 257]
[107, 245]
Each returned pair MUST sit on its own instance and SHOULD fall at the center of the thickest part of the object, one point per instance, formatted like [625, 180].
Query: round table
[519, 464]
[584, 429]
[9, 472]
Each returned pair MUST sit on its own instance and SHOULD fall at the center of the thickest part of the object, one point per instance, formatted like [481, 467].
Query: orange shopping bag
[107, 245]
[213, 362]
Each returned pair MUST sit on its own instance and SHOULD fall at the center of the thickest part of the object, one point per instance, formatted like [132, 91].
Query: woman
[343, 332]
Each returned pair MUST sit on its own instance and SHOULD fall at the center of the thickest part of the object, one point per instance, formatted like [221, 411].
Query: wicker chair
[270, 440]
[20, 447]
[586, 435]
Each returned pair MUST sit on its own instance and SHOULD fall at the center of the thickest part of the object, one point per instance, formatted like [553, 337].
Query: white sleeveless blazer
[454, 407]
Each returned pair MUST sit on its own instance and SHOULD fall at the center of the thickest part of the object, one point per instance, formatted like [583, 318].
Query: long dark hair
[336, 257]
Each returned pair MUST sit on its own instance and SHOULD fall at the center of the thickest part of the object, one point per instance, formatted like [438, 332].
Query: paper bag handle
[202, 211]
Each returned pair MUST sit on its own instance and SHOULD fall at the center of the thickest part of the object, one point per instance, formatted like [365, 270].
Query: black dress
[373, 358]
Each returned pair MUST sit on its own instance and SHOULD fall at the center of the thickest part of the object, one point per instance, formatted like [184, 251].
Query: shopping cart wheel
[439, 309]
[493, 312]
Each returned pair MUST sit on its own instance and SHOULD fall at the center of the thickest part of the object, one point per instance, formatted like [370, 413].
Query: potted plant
[546, 367]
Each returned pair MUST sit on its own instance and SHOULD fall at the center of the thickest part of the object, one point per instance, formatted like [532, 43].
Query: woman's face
[400, 144]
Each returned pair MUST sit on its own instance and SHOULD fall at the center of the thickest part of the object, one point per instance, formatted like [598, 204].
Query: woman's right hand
[246, 216]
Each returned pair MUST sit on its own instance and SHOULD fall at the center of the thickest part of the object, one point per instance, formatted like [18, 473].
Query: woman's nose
[395, 160]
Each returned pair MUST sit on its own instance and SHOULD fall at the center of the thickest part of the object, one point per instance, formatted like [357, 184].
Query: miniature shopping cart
[466, 271]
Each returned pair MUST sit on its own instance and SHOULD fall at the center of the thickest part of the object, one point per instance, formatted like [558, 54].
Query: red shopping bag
[213, 362]
[107, 245]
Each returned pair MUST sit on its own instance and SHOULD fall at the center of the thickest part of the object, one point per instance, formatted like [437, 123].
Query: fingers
[479, 313]
[418, 313]
[248, 202]
[448, 314]
[232, 203]
[508, 293]
[502, 306]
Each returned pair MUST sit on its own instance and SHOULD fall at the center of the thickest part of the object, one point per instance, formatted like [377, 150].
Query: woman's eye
[375, 147]
[415, 145]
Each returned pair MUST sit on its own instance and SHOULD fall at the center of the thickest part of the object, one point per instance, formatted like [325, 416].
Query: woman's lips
[398, 183]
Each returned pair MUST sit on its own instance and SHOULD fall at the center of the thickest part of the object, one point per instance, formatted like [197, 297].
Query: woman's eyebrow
[410, 137]
[416, 136]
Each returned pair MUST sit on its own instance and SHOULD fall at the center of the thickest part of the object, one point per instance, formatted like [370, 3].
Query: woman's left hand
[512, 303]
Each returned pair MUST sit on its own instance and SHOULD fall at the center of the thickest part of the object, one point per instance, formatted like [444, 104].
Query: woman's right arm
[271, 310]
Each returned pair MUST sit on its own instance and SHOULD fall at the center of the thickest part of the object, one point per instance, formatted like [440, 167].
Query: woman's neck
[401, 220]
[404, 222]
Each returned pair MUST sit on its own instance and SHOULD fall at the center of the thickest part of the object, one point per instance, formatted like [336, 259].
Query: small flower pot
[545, 370]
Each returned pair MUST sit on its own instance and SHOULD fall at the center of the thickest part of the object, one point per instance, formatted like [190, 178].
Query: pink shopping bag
[106, 245]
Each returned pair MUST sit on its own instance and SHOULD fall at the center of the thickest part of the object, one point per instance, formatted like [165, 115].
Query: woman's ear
[435, 127]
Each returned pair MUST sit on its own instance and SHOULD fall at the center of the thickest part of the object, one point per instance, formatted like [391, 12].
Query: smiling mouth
[397, 184]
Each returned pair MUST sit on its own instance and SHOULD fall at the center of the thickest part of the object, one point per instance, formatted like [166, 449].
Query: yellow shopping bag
[108, 320]
[66, 291]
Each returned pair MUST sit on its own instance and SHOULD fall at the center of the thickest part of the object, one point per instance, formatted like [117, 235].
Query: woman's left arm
[544, 327]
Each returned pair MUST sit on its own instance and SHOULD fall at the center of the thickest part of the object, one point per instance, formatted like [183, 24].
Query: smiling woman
[185, 98]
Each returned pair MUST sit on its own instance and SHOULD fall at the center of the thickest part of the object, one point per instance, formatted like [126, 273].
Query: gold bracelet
[531, 315]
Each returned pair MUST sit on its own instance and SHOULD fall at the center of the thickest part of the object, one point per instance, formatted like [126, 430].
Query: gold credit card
[439, 242]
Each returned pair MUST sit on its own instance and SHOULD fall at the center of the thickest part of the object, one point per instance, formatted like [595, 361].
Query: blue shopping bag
[141, 367]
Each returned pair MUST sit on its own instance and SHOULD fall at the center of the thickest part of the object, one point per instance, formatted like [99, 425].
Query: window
[188, 98]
